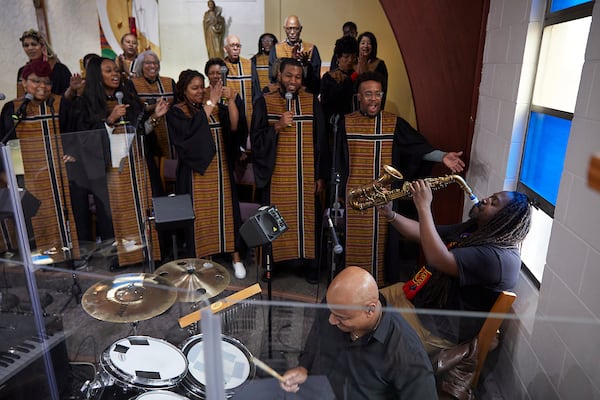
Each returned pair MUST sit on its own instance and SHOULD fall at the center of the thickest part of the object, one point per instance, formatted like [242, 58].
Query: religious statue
[214, 30]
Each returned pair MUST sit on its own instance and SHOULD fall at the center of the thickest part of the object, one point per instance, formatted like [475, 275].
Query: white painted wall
[550, 350]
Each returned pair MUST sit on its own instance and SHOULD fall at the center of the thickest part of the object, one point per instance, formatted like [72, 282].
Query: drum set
[147, 368]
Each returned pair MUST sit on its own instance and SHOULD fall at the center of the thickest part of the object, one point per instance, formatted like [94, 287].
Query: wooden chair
[489, 330]
[458, 369]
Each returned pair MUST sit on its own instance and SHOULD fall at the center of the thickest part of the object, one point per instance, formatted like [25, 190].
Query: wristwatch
[210, 103]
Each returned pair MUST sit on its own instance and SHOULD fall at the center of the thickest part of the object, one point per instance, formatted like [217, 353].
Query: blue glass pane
[558, 5]
[544, 155]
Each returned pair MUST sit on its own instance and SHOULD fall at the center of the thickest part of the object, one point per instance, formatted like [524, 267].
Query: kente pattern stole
[46, 178]
[370, 143]
[130, 196]
[240, 78]
[162, 87]
[212, 198]
[293, 179]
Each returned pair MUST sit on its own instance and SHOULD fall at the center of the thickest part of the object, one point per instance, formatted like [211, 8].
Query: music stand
[171, 213]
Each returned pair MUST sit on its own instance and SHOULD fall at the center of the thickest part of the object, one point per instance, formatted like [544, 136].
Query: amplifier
[263, 227]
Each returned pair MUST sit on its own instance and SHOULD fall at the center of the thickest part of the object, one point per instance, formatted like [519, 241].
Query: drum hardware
[238, 366]
[129, 298]
[221, 304]
[137, 364]
[196, 279]
[160, 395]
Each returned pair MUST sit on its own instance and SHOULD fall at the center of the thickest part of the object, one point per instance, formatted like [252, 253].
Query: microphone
[2, 96]
[223, 70]
[22, 111]
[119, 97]
[337, 247]
[288, 102]
[333, 120]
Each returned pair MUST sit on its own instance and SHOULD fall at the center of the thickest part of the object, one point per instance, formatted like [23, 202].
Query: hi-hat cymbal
[129, 298]
[200, 279]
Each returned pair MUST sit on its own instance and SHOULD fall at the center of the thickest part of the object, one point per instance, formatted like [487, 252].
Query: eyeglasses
[235, 45]
[293, 28]
[266, 40]
[40, 81]
[373, 95]
[151, 63]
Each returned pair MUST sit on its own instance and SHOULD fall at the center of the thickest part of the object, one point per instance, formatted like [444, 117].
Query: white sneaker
[239, 270]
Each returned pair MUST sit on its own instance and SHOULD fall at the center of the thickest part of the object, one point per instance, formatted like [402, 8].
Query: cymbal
[129, 298]
[201, 279]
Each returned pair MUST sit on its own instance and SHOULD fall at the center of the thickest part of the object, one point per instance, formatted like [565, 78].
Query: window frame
[550, 18]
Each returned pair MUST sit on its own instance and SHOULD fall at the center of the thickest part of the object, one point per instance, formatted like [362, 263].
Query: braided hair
[507, 228]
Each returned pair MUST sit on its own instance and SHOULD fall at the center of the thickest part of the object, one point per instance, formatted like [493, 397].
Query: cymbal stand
[75, 291]
[134, 327]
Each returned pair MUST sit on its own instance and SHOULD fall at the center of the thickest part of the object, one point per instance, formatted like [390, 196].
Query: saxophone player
[468, 263]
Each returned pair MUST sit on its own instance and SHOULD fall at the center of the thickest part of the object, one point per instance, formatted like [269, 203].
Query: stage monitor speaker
[263, 227]
[29, 202]
[172, 212]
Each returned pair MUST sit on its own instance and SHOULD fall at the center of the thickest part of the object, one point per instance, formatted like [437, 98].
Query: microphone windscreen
[119, 97]
[28, 97]
[2, 96]
[289, 96]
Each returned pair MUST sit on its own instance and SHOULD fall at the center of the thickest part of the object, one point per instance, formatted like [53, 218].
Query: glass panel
[535, 245]
[558, 5]
[560, 64]
[543, 157]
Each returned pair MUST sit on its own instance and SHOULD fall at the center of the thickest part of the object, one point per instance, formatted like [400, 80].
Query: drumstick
[221, 304]
[267, 369]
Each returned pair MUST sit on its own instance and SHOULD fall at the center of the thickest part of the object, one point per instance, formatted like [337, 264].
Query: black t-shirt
[484, 271]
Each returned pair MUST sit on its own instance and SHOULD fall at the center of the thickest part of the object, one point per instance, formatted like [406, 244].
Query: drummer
[365, 353]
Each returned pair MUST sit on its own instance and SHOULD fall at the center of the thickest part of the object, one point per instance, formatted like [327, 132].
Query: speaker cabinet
[263, 227]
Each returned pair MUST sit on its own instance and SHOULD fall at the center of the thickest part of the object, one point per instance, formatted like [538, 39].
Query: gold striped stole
[162, 87]
[45, 177]
[212, 199]
[130, 196]
[370, 143]
[262, 70]
[293, 180]
[284, 50]
[240, 78]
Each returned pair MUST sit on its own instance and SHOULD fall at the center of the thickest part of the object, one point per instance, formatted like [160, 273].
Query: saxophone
[376, 193]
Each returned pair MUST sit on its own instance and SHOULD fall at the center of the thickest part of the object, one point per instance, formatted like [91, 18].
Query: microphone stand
[140, 127]
[335, 204]
[75, 290]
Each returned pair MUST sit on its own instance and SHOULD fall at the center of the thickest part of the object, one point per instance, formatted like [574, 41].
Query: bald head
[233, 48]
[292, 28]
[354, 286]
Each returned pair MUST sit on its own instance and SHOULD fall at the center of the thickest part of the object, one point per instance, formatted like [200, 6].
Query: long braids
[507, 228]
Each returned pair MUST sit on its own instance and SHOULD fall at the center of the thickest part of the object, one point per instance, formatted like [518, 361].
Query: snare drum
[237, 366]
[142, 362]
[160, 395]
